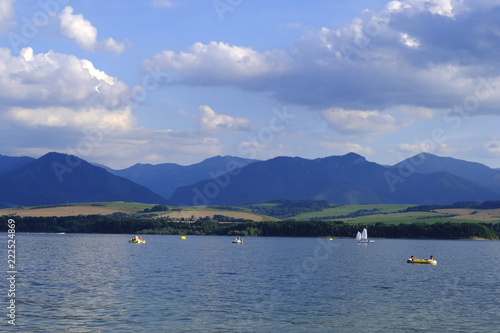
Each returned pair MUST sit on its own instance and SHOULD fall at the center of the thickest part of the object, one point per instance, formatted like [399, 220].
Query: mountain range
[165, 178]
[225, 180]
[348, 179]
[58, 178]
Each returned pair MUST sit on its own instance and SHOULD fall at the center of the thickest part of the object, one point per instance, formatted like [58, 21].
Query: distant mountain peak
[57, 178]
[347, 158]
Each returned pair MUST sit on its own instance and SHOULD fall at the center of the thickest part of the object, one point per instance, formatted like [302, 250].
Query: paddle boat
[238, 240]
[137, 240]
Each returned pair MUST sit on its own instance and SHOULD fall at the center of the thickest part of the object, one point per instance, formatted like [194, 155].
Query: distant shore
[124, 224]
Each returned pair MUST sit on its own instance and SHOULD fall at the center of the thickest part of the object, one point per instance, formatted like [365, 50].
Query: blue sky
[125, 82]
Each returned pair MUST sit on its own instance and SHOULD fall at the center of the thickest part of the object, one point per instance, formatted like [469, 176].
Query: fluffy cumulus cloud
[426, 53]
[211, 122]
[55, 90]
[220, 64]
[71, 106]
[6, 15]
[76, 27]
[49, 79]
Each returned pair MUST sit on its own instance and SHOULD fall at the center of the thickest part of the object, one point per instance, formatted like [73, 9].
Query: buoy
[183, 237]
[331, 238]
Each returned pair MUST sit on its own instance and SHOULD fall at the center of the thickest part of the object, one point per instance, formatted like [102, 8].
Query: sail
[358, 236]
[364, 235]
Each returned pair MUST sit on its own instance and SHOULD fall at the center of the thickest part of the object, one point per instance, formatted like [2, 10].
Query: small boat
[238, 240]
[422, 261]
[363, 237]
[137, 240]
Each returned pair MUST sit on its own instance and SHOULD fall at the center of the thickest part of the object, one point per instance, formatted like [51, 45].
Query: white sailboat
[363, 237]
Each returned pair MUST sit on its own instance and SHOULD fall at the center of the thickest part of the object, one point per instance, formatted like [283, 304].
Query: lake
[95, 283]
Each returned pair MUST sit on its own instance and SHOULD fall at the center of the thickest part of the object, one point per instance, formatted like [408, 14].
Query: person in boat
[412, 258]
[431, 258]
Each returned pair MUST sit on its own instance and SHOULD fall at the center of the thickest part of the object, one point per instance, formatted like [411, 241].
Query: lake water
[95, 283]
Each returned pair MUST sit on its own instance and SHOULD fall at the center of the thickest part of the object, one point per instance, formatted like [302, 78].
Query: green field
[356, 214]
[388, 214]
[341, 211]
[132, 206]
[122, 204]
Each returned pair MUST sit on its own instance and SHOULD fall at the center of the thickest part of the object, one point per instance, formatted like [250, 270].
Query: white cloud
[95, 73]
[211, 122]
[409, 41]
[76, 27]
[356, 121]
[57, 80]
[425, 53]
[122, 120]
[109, 44]
[6, 15]
[446, 8]
[442, 7]
[221, 63]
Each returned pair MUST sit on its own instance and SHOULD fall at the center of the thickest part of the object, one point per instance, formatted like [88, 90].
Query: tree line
[286, 208]
[461, 204]
[282, 208]
[119, 223]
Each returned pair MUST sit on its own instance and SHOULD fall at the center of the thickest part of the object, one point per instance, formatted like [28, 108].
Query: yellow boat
[422, 261]
[138, 241]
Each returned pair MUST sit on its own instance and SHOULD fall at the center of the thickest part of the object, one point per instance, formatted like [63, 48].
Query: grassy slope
[389, 214]
[124, 207]
[386, 214]
[347, 209]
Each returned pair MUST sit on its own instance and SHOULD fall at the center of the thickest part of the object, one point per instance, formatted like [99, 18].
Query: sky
[179, 81]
